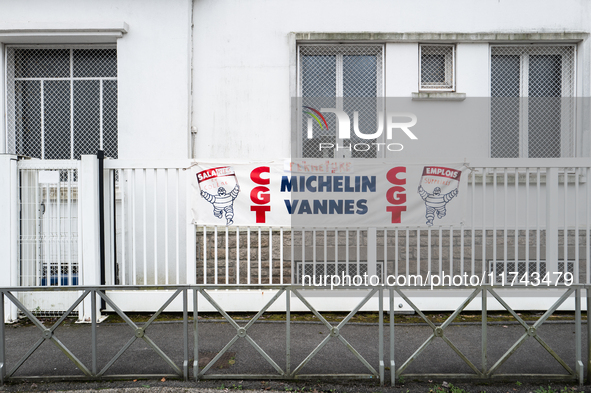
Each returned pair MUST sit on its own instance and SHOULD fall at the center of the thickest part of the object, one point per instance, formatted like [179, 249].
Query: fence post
[89, 201]
[191, 237]
[9, 230]
[551, 221]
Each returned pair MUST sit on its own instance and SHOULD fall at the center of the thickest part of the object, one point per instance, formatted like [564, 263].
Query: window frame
[452, 71]
[380, 89]
[10, 129]
[568, 121]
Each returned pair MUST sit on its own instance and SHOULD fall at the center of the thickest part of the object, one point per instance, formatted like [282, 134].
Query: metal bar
[195, 334]
[248, 255]
[117, 356]
[264, 355]
[578, 335]
[220, 310]
[311, 355]
[133, 231]
[473, 224]
[484, 234]
[287, 331]
[507, 354]
[185, 336]
[117, 310]
[460, 354]
[162, 308]
[145, 229]
[526, 208]
[577, 256]
[555, 355]
[163, 355]
[357, 355]
[281, 255]
[357, 308]
[316, 313]
[2, 341]
[554, 307]
[414, 355]
[381, 336]
[58, 225]
[392, 339]
[506, 306]
[292, 251]
[588, 236]
[155, 191]
[204, 257]
[484, 342]
[93, 330]
[218, 356]
[460, 309]
[70, 355]
[177, 229]
[166, 233]
[227, 270]
[418, 311]
[215, 254]
[262, 311]
[516, 230]
[25, 357]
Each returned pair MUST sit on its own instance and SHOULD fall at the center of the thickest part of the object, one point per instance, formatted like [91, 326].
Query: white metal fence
[529, 217]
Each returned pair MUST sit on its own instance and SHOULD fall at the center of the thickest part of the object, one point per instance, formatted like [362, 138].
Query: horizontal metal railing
[192, 295]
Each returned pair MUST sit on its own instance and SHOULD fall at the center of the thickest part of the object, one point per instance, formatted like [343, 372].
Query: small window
[437, 67]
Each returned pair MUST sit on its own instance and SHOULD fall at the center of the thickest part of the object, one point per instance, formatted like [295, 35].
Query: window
[61, 101]
[345, 77]
[532, 109]
[437, 67]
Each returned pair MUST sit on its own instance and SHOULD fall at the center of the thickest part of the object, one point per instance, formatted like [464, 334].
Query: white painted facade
[153, 60]
[231, 76]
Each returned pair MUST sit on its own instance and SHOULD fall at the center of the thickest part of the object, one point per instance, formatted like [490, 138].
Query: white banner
[328, 193]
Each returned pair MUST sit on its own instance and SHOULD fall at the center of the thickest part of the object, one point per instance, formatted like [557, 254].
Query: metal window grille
[437, 67]
[532, 108]
[346, 77]
[61, 102]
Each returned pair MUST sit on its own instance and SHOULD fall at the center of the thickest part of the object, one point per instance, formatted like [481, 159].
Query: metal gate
[49, 249]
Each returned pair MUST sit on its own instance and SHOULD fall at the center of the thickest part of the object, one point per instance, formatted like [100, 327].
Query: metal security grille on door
[62, 102]
[346, 77]
[532, 108]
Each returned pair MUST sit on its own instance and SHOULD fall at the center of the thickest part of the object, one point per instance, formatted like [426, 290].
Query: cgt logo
[344, 129]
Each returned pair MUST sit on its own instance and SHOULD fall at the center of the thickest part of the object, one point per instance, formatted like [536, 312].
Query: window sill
[438, 96]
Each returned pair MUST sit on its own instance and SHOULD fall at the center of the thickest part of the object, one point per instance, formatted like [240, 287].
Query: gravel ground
[173, 386]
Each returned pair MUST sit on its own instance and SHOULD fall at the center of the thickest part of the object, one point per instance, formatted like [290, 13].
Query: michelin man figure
[223, 202]
[435, 203]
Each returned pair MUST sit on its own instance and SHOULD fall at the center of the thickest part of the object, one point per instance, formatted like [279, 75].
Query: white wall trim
[442, 37]
[72, 32]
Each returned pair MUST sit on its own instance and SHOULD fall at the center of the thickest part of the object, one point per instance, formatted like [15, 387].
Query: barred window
[345, 77]
[437, 67]
[532, 108]
[61, 101]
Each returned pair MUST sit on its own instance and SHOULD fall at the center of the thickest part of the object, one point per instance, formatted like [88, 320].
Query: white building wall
[153, 62]
[242, 53]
